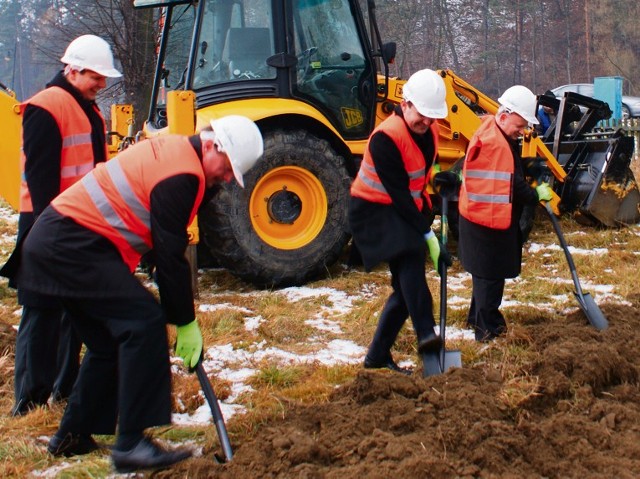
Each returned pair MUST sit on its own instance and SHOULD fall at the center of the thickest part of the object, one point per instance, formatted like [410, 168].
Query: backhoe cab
[305, 72]
[314, 77]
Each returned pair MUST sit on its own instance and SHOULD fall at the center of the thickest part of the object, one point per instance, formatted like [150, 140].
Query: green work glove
[544, 191]
[434, 247]
[189, 343]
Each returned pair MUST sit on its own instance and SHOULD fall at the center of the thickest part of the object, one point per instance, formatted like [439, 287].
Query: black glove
[447, 183]
[536, 168]
[445, 260]
[448, 178]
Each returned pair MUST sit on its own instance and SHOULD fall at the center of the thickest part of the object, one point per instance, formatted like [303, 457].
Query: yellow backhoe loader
[314, 76]
[11, 125]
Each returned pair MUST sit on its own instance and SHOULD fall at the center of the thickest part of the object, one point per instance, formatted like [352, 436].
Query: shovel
[218, 420]
[443, 360]
[585, 300]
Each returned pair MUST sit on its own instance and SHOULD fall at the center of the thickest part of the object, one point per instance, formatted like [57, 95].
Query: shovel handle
[216, 412]
[565, 248]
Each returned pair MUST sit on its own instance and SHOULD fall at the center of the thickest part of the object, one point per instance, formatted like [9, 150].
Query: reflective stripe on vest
[101, 202]
[76, 155]
[376, 185]
[114, 199]
[367, 184]
[486, 192]
[79, 170]
[76, 140]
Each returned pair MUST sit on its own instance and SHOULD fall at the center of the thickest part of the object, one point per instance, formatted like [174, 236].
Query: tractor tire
[289, 223]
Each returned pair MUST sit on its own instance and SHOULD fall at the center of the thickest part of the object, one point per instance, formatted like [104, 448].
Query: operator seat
[246, 51]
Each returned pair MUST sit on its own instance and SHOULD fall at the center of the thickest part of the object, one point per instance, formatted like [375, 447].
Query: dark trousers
[484, 316]
[47, 355]
[125, 376]
[410, 297]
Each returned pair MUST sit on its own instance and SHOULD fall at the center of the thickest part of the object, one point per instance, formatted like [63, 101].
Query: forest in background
[492, 44]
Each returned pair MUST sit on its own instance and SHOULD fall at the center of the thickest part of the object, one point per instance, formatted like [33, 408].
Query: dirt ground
[582, 418]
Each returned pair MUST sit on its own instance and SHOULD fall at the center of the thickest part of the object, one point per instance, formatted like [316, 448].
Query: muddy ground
[582, 418]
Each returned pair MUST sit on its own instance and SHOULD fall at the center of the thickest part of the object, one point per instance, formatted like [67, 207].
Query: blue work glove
[437, 251]
[544, 191]
[189, 343]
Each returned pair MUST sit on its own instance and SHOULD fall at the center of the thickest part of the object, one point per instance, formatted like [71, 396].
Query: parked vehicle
[630, 104]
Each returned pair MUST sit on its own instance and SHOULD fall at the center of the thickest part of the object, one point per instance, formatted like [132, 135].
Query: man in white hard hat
[83, 250]
[389, 214]
[63, 135]
[492, 197]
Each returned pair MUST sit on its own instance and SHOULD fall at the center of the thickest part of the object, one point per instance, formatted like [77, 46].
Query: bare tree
[130, 32]
[448, 31]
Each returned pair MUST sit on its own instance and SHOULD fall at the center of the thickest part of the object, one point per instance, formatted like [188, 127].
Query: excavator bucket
[599, 187]
[11, 125]
[602, 187]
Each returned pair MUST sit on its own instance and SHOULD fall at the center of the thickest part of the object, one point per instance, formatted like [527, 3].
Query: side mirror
[389, 52]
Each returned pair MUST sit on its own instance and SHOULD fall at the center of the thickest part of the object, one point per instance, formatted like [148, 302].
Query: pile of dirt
[582, 417]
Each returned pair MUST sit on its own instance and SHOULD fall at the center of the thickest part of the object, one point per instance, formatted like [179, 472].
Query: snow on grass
[253, 323]
[8, 214]
[537, 248]
[215, 307]
[340, 301]
[238, 365]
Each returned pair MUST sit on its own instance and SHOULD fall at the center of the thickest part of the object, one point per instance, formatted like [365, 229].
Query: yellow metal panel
[257, 109]
[181, 112]
[122, 123]
[11, 128]
[181, 121]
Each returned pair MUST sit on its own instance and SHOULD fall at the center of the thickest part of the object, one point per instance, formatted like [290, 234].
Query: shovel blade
[592, 311]
[431, 364]
[452, 359]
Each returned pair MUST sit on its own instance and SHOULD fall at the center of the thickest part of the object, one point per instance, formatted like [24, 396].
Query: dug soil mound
[574, 411]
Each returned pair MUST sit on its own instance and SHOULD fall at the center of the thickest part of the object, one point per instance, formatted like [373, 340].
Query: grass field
[271, 351]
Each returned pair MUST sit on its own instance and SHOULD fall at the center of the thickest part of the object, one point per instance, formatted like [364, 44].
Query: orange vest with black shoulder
[76, 157]
[486, 192]
[367, 184]
[113, 200]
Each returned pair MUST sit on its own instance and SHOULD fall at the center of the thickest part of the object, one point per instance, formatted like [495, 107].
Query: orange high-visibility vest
[486, 192]
[367, 184]
[113, 200]
[76, 157]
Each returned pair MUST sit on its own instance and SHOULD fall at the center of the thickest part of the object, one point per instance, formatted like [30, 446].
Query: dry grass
[282, 324]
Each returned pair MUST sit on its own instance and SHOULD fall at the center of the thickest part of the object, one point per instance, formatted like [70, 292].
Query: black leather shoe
[72, 445]
[430, 343]
[388, 364]
[146, 455]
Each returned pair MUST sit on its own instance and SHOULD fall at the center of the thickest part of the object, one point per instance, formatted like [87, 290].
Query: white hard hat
[519, 99]
[426, 90]
[92, 53]
[241, 140]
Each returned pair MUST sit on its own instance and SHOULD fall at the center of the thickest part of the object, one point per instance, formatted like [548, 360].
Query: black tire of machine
[232, 239]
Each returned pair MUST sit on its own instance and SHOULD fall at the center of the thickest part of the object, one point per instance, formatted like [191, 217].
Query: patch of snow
[215, 307]
[537, 248]
[253, 323]
[324, 325]
[341, 302]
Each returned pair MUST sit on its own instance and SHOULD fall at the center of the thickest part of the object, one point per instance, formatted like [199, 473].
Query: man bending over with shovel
[83, 250]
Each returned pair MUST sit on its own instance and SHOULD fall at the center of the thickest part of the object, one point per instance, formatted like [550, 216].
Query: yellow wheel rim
[288, 207]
